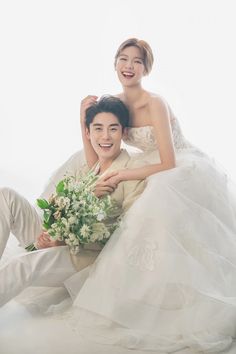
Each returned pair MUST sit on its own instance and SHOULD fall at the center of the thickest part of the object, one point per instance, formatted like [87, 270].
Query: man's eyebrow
[110, 125]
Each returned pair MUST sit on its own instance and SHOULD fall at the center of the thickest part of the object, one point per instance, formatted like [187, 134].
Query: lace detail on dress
[179, 140]
[144, 257]
[144, 137]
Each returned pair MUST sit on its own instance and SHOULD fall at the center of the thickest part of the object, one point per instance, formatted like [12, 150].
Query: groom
[106, 122]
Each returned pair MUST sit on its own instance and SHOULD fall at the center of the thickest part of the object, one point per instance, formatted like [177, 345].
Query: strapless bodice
[144, 138]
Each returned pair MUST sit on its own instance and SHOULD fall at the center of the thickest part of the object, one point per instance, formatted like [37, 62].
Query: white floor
[24, 332]
[20, 332]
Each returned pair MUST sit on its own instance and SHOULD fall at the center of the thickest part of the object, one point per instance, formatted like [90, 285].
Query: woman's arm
[90, 154]
[160, 118]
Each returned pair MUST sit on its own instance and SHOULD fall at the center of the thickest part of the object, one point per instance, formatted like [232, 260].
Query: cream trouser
[46, 267]
[19, 217]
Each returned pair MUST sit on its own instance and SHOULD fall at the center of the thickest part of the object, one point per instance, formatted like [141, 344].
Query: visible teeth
[128, 74]
[105, 145]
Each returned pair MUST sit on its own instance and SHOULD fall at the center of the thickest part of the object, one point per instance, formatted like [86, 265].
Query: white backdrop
[54, 52]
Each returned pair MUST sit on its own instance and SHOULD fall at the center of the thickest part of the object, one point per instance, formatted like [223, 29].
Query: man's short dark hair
[108, 104]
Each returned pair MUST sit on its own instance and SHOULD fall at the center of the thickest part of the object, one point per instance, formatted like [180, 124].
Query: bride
[165, 281]
[166, 278]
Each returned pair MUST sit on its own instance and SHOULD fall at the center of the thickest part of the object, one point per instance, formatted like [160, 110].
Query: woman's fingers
[90, 97]
[109, 175]
[87, 101]
[85, 104]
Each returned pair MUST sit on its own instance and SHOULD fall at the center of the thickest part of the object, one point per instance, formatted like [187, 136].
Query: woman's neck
[133, 94]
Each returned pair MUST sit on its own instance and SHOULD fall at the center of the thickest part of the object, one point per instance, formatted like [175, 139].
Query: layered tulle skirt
[166, 279]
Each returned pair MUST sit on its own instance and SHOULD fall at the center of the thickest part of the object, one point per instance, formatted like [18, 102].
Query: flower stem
[31, 248]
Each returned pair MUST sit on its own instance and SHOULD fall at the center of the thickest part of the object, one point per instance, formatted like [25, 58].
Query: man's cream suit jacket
[124, 195]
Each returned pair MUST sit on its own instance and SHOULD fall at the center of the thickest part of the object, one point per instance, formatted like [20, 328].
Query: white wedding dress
[166, 280]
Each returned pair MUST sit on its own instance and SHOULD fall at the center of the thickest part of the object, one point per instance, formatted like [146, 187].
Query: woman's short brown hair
[145, 49]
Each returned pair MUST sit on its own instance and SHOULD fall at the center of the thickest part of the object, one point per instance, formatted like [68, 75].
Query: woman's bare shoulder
[156, 101]
[158, 106]
[156, 98]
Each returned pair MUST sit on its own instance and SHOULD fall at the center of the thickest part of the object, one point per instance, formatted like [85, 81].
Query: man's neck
[106, 163]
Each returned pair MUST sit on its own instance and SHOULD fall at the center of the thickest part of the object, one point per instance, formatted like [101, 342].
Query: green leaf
[60, 187]
[46, 215]
[42, 203]
[46, 225]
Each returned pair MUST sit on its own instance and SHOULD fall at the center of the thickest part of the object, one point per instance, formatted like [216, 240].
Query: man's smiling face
[105, 134]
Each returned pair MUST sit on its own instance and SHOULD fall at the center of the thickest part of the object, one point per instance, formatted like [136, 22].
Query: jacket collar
[118, 163]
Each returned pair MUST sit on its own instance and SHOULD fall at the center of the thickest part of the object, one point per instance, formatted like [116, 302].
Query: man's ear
[87, 132]
[125, 133]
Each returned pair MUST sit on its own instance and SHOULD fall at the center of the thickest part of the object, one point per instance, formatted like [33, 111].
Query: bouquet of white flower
[75, 215]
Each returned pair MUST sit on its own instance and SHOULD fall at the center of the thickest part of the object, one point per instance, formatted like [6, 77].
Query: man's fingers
[44, 244]
[105, 189]
[46, 237]
[43, 240]
[111, 186]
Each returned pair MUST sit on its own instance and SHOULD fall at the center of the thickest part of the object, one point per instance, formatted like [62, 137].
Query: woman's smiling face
[130, 66]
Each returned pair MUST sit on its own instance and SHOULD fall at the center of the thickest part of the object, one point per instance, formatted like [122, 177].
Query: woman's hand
[104, 186]
[114, 177]
[85, 104]
[44, 241]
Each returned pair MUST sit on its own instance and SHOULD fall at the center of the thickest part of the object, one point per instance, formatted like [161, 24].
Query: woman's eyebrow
[125, 55]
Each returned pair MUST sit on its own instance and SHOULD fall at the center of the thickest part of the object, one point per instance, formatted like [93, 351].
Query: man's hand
[44, 241]
[85, 104]
[104, 186]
